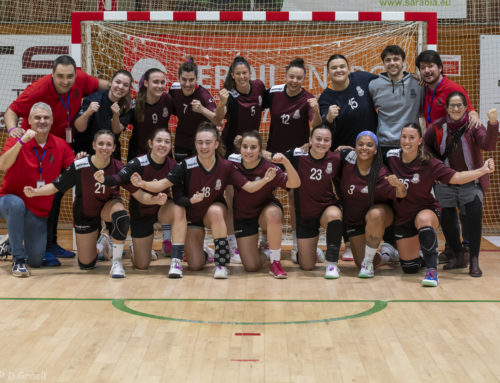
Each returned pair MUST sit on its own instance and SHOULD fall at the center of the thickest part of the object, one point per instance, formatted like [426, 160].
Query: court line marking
[378, 305]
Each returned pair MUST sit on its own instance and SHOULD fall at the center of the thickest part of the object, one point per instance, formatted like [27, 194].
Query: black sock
[429, 246]
[222, 254]
[333, 239]
[177, 251]
[450, 228]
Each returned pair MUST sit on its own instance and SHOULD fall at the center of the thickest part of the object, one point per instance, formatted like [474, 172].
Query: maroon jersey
[155, 116]
[250, 205]
[149, 171]
[243, 112]
[354, 190]
[90, 195]
[194, 178]
[290, 118]
[316, 191]
[419, 180]
[188, 119]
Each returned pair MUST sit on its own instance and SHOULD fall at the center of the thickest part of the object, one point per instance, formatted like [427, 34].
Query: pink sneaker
[167, 247]
[277, 271]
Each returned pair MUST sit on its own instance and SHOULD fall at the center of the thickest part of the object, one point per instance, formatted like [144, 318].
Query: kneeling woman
[203, 179]
[93, 202]
[366, 186]
[417, 215]
[153, 166]
[252, 210]
[315, 202]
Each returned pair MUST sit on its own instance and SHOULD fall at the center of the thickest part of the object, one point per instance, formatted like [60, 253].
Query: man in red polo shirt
[63, 91]
[36, 158]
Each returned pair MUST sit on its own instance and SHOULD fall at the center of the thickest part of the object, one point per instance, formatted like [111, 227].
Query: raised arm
[313, 103]
[151, 186]
[221, 110]
[10, 156]
[470, 175]
[81, 122]
[11, 119]
[198, 107]
[400, 187]
[254, 186]
[293, 179]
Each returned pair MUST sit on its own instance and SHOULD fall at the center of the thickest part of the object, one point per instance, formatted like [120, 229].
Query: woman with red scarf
[458, 145]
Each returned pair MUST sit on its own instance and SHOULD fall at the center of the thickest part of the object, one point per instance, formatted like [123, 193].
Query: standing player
[94, 202]
[193, 104]
[366, 187]
[152, 166]
[63, 91]
[261, 208]
[316, 203]
[417, 215]
[105, 110]
[293, 112]
[204, 178]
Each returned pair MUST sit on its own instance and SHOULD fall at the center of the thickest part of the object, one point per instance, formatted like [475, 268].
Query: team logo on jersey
[415, 179]
[329, 168]
[360, 91]
[260, 100]
[296, 115]
[364, 190]
[218, 184]
[165, 112]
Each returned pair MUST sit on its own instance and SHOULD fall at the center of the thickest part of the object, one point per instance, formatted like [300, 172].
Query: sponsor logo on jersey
[351, 157]
[175, 86]
[277, 88]
[360, 91]
[299, 152]
[165, 112]
[144, 161]
[393, 153]
[234, 93]
[191, 163]
[364, 190]
[296, 115]
[82, 163]
[218, 184]
[415, 179]
[235, 158]
[329, 168]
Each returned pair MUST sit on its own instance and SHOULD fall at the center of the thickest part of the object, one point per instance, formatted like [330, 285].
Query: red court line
[247, 333]
[244, 360]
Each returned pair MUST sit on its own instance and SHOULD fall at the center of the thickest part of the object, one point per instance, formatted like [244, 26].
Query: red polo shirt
[26, 170]
[437, 106]
[43, 90]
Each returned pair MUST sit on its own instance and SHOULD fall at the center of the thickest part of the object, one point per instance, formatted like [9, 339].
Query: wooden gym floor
[67, 325]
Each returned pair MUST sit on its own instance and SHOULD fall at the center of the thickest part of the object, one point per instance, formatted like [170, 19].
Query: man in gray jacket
[397, 96]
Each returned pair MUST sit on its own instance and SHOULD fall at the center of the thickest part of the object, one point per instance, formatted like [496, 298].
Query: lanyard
[66, 106]
[40, 159]
[429, 107]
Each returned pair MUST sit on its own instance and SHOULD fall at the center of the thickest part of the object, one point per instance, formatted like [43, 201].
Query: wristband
[21, 142]
[11, 129]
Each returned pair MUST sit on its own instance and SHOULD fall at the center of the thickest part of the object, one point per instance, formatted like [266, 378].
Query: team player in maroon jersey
[316, 203]
[418, 213]
[204, 178]
[193, 104]
[152, 166]
[293, 112]
[366, 187]
[261, 208]
[95, 202]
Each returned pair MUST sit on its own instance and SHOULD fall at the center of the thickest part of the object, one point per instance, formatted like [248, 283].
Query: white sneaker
[209, 252]
[293, 255]
[264, 248]
[367, 270]
[332, 271]
[235, 257]
[320, 255]
[221, 272]
[175, 268]
[390, 251]
[154, 256]
[104, 247]
[117, 270]
[347, 254]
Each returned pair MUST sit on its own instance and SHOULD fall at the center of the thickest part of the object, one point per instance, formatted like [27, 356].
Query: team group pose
[325, 152]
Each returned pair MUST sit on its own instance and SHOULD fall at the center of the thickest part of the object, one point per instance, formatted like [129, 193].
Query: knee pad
[88, 266]
[120, 222]
[412, 266]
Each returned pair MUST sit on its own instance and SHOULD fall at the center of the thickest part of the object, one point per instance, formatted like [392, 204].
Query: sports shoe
[117, 270]
[4, 247]
[390, 251]
[320, 255]
[167, 247]
[431, 278]
[154, 256]
[209, 254]
[175, 268]
[221, 272]
[294, 253]
[347, 254]
[59, 252]
[20, 270]
[331, 271]
[445, 255]
[104, 247]
[366, 270]
[50, 260]
[235, 257]
[277, 271]
[264, 248]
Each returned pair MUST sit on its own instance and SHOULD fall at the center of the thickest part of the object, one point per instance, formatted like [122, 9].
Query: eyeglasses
[456, 106]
